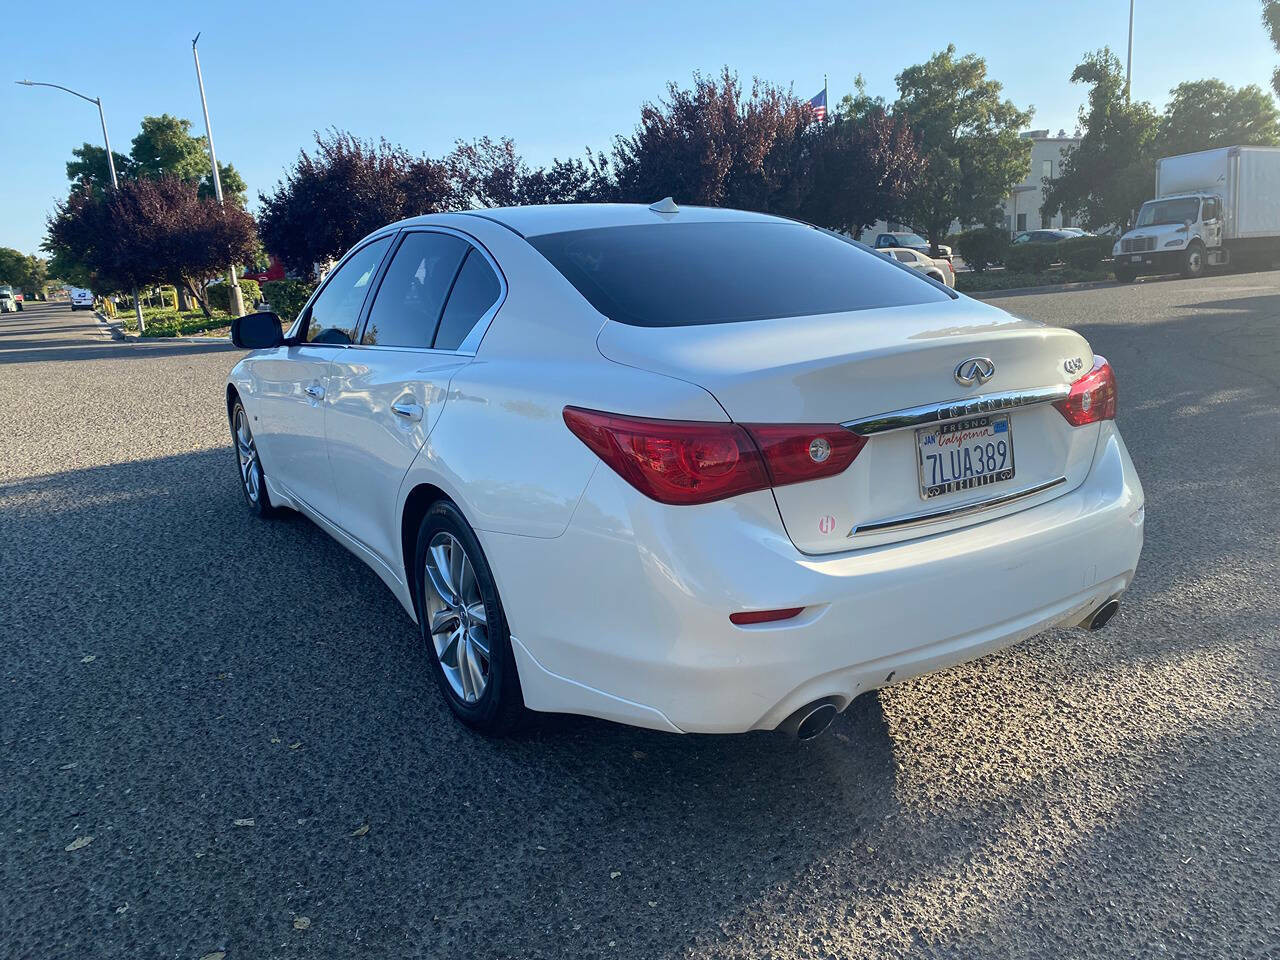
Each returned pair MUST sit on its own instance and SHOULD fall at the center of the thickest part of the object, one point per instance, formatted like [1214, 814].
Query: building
[1022, 206]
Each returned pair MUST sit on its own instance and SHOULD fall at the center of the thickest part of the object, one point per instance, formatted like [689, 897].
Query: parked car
[81, 299]
[937, 268]
[690, 469]
[1044, 236]
[911, 241]
[10, 300]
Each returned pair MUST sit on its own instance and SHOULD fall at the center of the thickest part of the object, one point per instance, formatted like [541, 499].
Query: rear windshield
[684, 274]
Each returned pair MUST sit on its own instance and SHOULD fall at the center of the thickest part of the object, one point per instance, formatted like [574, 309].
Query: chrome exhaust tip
[1100, 617]
[810, 720]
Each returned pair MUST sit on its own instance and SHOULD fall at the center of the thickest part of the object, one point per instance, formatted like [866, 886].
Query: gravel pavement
[218, 735]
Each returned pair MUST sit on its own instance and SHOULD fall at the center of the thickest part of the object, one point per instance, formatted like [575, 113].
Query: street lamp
[237, 298]
[111, 163]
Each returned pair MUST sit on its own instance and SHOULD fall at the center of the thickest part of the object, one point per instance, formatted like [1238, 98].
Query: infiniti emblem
[974, 370]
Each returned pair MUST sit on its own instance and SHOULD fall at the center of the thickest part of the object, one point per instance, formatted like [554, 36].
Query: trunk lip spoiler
[957, 409]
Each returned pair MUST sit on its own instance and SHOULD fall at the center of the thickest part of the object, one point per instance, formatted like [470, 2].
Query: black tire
[253, 482]
[1125, 274]
[1193, 261]
[499, 708]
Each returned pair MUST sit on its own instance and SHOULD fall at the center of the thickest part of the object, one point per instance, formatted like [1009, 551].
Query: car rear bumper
[626, 615]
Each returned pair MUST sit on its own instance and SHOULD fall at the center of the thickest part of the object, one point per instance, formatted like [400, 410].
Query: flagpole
[826, 100]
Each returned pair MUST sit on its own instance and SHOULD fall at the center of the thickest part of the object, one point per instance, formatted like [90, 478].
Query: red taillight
[796, 452]
[1092, 397]
[748, 617]
[684, 462]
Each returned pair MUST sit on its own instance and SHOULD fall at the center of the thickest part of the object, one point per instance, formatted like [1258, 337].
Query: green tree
[1108, 176]
[1203, 114]
[163, 147]
[968, 136]
[23, 271]
[89, 166]
[1271, 20]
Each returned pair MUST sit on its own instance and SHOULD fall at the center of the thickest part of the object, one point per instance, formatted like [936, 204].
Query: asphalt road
[172, 669]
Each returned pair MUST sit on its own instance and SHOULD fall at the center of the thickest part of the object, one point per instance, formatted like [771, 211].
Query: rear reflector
[689, 462]
[1092, 397]
[749, 617]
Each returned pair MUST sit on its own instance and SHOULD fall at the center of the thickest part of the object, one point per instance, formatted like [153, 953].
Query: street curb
[117, 333]
[114, 328]
[1050, 288]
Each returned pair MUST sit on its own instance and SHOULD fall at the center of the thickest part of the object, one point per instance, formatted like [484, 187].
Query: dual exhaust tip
[813, 718]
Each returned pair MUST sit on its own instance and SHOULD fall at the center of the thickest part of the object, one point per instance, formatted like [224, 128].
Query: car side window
[406, 309]
[1209, 210]
[336, 309]
[905, 256]
[474, 292]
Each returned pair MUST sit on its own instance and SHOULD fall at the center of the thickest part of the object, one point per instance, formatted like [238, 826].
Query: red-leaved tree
[152, 231]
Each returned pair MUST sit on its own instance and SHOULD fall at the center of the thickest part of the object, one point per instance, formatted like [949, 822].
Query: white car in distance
[937, 269]
[690, 469]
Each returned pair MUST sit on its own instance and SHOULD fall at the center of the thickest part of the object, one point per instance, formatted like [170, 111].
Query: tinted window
[336, 309]
[474, 292]
[407, 306]
[677, 274]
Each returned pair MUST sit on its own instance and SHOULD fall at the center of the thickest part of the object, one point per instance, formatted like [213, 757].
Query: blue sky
[556, 77]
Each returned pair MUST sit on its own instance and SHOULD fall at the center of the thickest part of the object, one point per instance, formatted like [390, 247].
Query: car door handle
[409, 411]
[315, 391]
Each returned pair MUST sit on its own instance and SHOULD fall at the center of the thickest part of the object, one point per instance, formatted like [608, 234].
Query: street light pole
[237, 298]
[111, 165]
[1128, 63]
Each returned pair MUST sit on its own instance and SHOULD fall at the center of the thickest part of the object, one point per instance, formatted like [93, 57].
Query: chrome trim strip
[955, 409]
[919, 519]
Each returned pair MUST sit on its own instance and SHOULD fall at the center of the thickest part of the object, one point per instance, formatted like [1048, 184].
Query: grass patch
[1010, 280]
[176, 323]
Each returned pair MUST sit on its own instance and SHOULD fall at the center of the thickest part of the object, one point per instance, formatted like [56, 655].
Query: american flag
[819, 105]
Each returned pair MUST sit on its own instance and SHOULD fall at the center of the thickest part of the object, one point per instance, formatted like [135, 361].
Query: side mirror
[257, 331]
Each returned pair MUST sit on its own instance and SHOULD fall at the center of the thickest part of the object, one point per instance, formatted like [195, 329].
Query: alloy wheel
[248, 455]
[456, 617]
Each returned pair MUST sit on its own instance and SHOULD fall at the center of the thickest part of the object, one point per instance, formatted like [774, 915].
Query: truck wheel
[1125, 274]
[1193, 265]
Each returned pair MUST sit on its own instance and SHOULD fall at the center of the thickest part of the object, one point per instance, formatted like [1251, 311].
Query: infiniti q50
[686, 468]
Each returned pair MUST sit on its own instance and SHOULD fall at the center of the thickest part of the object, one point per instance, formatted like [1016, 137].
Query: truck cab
[1174, 234]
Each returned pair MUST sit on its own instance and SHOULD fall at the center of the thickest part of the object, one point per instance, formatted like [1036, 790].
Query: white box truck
[1211, 208]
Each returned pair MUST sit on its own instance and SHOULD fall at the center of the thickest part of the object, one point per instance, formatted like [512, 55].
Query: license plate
[964, 455]
[1136, 258]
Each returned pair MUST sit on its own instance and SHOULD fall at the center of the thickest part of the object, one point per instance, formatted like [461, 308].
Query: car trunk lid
[853, 368]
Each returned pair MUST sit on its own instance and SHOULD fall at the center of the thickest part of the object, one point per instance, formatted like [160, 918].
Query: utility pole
[111, 166]
[1128, 63]
[237, 298]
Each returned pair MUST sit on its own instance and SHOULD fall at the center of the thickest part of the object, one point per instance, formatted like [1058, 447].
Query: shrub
[220, 295]
[1031, 257]
[1086, 253]
[982, 247]
[287, 297]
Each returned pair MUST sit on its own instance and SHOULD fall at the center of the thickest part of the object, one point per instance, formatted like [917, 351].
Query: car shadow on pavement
[43, 350]
[177, 665]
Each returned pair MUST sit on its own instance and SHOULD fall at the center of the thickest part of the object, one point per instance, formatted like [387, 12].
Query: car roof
[533, 221]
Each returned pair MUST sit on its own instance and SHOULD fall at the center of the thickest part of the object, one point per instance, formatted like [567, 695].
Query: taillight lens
[688, 462]
[796, 452]
[1092, 397]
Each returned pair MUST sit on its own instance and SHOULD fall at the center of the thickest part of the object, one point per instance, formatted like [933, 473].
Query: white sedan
[689, 469]
[938, 269]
